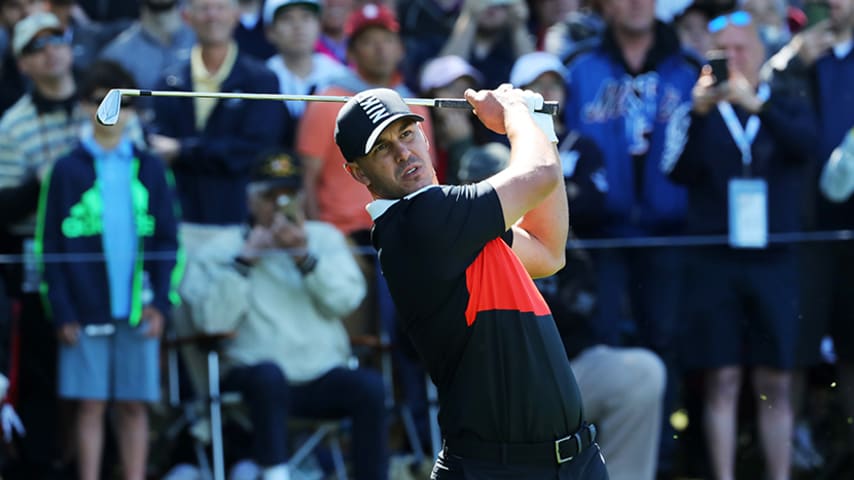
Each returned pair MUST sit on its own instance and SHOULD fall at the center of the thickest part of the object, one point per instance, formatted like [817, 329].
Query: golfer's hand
[69, 333]
[155, 320]
[493, 107]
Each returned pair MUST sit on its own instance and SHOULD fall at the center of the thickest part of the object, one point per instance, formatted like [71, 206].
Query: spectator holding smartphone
[743, 165]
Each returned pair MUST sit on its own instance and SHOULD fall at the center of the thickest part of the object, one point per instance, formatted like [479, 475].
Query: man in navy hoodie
[624, 93]
[744, 165]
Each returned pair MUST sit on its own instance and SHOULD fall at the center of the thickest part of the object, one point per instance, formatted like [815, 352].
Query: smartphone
[816, 11]
[718, 61]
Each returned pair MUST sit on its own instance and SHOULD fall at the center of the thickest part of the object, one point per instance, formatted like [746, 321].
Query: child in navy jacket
[107, 240]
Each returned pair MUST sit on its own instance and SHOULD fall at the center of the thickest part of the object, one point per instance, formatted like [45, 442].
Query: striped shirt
[30, 140]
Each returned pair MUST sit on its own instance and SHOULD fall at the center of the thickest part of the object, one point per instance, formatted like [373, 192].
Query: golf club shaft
[548, 107]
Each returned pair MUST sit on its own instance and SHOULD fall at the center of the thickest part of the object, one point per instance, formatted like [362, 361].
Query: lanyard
[743, 136]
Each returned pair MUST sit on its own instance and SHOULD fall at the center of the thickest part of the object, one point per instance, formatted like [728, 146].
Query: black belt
[544, 453]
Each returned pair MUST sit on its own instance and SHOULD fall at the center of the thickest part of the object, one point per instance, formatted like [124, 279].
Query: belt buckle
[561, 440]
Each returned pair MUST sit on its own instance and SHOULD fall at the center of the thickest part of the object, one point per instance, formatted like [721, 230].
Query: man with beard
[459, 261]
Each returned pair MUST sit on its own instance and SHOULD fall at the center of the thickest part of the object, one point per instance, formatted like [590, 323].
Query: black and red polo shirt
[481, 327]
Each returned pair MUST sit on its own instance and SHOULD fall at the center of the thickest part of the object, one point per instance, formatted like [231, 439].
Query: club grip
[548, 107]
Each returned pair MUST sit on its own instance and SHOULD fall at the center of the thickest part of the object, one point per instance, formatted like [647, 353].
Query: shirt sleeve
[12, 169]
[452, 223]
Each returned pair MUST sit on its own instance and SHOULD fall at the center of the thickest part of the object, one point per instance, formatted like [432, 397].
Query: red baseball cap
[370, 15]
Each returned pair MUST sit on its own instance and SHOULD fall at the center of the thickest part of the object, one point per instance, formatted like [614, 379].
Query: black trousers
[588, 466]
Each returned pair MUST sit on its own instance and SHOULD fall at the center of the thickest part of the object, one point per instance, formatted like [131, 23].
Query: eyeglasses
[40, 43]
[738, 19]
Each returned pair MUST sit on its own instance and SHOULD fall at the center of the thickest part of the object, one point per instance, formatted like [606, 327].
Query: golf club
[108, 110]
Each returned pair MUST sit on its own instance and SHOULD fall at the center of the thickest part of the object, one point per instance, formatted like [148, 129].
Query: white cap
[273, 6]
[530, 66]
[27, 29]
[442, 71]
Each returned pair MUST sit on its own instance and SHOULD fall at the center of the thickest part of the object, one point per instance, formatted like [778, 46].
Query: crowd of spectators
[708, 261]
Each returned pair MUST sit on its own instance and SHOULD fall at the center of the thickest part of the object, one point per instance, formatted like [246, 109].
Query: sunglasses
[737, 19]
[42, 42]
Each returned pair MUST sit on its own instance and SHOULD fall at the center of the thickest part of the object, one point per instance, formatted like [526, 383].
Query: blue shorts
[740, 308]
[122, 366]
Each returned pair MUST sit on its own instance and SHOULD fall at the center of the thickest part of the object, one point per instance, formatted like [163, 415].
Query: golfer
[459, 262]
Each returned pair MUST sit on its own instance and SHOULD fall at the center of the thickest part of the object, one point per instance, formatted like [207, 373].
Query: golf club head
[108, 110]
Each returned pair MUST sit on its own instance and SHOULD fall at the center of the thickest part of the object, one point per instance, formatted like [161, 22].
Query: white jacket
[279, 314]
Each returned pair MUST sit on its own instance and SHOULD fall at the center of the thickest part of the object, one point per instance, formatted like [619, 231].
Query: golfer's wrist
[514, 115]
[546, 124]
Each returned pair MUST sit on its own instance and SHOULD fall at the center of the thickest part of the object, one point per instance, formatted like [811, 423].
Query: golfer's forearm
[548, 222]
[534, 170]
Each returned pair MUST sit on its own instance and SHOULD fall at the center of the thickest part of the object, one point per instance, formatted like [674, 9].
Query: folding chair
[203, 412]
